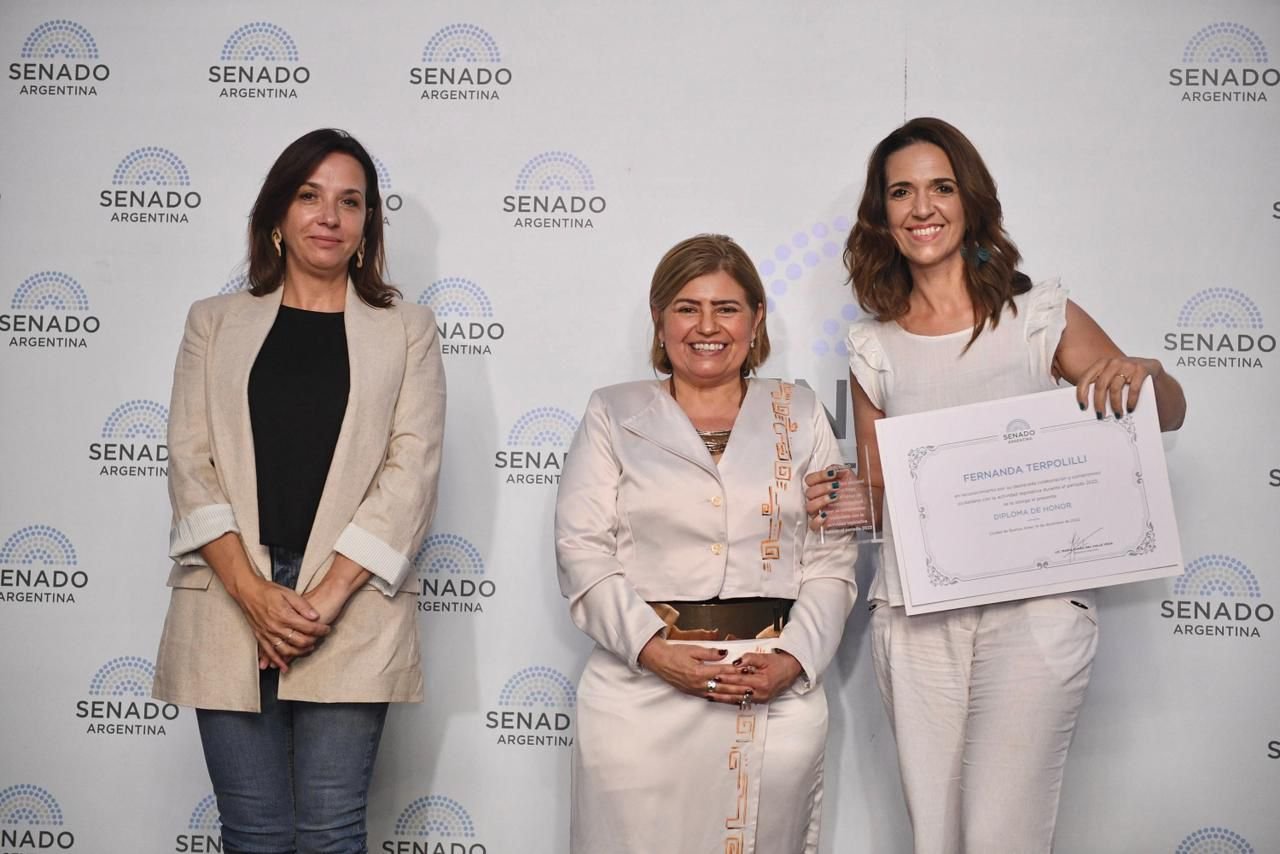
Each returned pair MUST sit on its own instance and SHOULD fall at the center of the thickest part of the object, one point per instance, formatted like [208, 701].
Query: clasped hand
[287, 625]
[754, 677]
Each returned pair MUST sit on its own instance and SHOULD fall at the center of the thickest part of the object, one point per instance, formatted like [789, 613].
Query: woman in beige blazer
[684, 553]
[304, 438]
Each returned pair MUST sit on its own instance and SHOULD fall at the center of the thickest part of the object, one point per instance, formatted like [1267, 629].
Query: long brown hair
[879, 273]
[291, 169]
[698, 256]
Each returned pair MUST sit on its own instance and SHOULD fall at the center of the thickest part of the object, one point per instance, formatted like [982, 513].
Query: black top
[297, 397]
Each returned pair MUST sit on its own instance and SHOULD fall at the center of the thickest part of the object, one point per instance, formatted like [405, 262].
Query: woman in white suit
[304, 438]
[983, 700]
[684, 554]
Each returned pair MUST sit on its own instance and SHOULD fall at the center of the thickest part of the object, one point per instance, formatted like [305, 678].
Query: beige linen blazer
[644, 514]
[377, 503]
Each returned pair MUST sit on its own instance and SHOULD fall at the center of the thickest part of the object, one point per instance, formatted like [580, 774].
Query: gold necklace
[715, 441]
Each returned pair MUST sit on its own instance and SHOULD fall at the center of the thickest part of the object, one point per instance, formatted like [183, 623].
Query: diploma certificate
[1026, 496]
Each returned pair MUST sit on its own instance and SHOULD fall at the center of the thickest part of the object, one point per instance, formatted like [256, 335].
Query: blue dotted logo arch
[38, 544]
[448, 554]
[60, 39]
[1214, 840]
[555, 172]
[29, 804]
[1220, 308]
[538, 687]
[49, 290]
[435, 815]
[127, 676]
[260, 41]
[1224, 42]
[151, 165]
[1217, 575]
[456, 297]
[543, 427]
[137, 419]
[461, 43]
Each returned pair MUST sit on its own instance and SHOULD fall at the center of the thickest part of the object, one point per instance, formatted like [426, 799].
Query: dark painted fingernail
[835, 484]
[737, 661]
[833, 496]
[723, 652]
[822, 513]
[1081, 406]
[709, 700]
[1100, 416]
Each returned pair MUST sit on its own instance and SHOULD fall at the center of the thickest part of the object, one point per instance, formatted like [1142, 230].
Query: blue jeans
[295, 776]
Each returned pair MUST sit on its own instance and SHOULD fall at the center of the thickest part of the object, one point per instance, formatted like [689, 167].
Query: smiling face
[325, 221]
[923, 207]
[707, 330]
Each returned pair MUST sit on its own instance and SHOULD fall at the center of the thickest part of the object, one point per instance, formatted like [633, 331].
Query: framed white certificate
[1026, 496]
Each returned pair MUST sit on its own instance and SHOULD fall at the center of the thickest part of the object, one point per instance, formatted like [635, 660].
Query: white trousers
[655, 770]
[983, 703]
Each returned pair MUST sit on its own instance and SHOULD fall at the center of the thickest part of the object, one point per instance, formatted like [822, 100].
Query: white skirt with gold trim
[656, 771]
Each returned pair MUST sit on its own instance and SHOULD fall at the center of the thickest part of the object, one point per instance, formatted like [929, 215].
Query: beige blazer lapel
[664, 423]
[240, 338]
[376, 354]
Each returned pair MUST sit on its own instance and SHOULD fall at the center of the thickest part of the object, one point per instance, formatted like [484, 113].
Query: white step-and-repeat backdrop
[537, 159]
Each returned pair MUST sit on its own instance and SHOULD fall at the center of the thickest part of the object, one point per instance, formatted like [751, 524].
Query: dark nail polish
[1081, 406]
[833, 496]
[835, 485]
[831, 472]
[1100, 416]
[723, 652]
[737, 662]
[822, 513]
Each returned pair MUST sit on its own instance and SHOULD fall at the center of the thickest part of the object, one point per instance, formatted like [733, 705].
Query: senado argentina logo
[59, 58]
[150, 185]
[1224, 61]
[38, 564]
[460, 62]
[391, 201]
[1220, 328]
[132, 441]
[203, 832]
[49, 309]
[464, 317]
[1217, 596]
[536, 446]
[434, 824]
[259, 60]
[808, 263]
[558, 189]
[1018, 430]
[31, 820]
[118, 700]
[1214, 840]
[534, 709]
[451, 575]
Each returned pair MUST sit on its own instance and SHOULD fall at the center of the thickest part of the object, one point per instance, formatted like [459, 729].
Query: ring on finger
[278, 643]
[745, 702]
[289, 637]
[1124, 378]
[712, 684]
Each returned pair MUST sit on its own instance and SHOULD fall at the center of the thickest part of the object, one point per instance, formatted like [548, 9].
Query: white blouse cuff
[197, 529]
[388, 567]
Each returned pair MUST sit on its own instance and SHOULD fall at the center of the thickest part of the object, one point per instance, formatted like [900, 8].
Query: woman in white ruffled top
[983, 700]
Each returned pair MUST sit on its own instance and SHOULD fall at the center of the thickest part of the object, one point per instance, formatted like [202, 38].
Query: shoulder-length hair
[879, 273]
[291, 169]
[698, 256]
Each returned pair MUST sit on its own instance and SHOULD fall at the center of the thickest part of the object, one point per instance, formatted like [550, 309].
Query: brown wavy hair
[699, 256]
[879, 273]
[291, 169]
